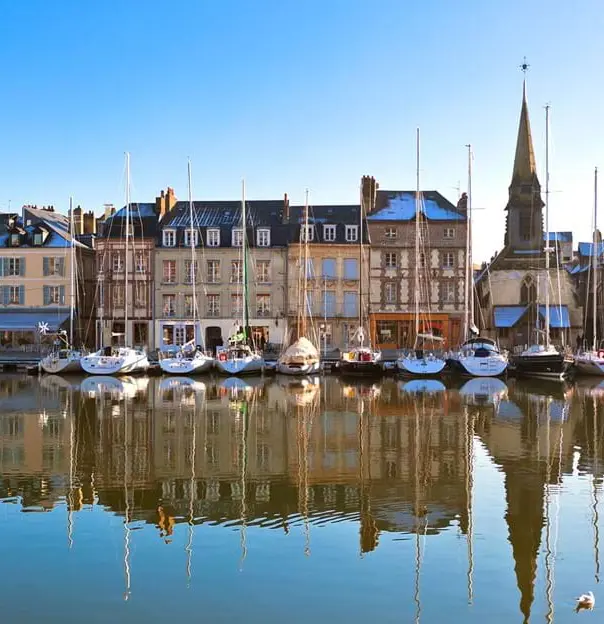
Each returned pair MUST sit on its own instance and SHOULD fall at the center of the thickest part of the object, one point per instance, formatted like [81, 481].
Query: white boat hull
[186, 366]
[492, 366]
[589, 364]
[127, 364]
[241, 366]
[55, 365]
[311, 368]
[420, 367]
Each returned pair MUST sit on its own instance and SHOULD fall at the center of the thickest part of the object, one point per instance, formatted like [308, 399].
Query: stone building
[510, 290]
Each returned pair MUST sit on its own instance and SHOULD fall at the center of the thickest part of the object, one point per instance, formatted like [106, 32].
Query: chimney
[369, 189]
[462, 204]
[285, 208]
[88, 223]
[109, 211]
[165, 202]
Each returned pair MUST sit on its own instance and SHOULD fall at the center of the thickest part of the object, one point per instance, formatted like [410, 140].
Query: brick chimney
[462, 204]
[285, 208]
[88, 223]
[369, 189]
[165, 202]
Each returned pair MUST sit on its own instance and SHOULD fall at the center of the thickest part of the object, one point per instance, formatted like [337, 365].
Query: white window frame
[213, 310]
[390, 233]
[390, 254]
[169, 238]
[307, 233]
[118, 301]
[449, 233]
[236, 304]
[163, 275]
[264, 310]
[117, 262]
[14, 295]
[448, 255]
[448, 292]
[352, 233]
[213, 276]
[189, 309]
[260, 278]
[213, 237]
[140, 262]
[187, 238]
[236, 275]
[140, 294]
[329, 233]
[193, 267]
[390, 292]
[169, 305]
[263, 237]
[237, 237]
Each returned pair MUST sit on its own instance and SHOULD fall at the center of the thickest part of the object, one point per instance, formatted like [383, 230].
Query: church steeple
[525, 170]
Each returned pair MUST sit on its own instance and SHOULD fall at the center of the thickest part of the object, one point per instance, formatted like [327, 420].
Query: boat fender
[601, 353]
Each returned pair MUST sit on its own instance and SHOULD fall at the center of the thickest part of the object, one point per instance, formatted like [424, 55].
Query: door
[213, 338]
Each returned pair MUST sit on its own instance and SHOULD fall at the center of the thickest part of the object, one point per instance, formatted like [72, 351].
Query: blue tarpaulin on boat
[508, 316]
[28, 321]
[558, 315]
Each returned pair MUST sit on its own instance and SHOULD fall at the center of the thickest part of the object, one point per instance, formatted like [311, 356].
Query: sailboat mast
[193, 254]
[71, 275]
[302, 331]
[469, 262]
[127, 263]
[594, 260]
[547, 247]
[362, 205]
[417, 253]
[244, 259]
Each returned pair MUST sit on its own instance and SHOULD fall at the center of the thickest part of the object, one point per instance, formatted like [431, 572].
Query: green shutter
[46, 295]
[62, 295]
[22, 267]
[21, 295]
[62, 267]
[46, 268]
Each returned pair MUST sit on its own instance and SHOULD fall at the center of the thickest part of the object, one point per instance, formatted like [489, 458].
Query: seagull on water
[586, 601]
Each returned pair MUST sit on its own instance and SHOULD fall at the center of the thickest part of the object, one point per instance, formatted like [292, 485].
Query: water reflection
[399, 460]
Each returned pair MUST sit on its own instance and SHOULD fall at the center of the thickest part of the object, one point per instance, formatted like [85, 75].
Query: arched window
[528, 290]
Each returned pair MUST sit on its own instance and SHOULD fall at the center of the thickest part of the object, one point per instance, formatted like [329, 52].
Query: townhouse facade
[441, 265]
[35, 271]
[213, 262]
[337, 269]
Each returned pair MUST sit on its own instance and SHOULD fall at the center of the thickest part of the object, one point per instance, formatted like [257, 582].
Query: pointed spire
[525, 170]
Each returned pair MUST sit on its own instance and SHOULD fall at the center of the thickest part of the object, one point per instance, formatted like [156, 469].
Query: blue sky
[292, 95]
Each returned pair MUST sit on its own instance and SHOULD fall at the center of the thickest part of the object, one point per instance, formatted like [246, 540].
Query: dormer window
[307, 233]
[213, 237]
[169, 238]
[188, 238]
[390, 233]
[263, 237]
[352, 233]
[237, 238]
[329, 233]
[15, 239]
[38, 239]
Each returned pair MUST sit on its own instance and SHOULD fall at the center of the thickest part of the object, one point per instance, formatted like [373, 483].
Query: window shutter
[1, 267]
[22, 267]
[62, 295]
[62, 267]
[46, 295]
[5, 295]
[21, 295]
[45, 267]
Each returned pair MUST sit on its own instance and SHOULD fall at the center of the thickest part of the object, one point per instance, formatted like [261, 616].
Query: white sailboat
[239, 358]
[189, 359]
[477, 356]
[64, 358]
[301, 357]
[422, 361]
[592, 362]
[119, 360]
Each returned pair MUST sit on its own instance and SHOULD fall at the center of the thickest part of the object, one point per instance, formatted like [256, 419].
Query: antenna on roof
[524, 66]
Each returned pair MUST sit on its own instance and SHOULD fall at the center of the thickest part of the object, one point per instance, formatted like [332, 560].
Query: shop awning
[508, 316]
[28, 321]
[558, 315]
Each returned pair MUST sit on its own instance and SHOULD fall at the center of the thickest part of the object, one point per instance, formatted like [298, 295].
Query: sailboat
[239, 358]
[361, 359]
[64, 358]
[592, 362]
[119, 360]
[478, 356]
[189, 359]
[301, 357]
[421, 362]
[544, 360]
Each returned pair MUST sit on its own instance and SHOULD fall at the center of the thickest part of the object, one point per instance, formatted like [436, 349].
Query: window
[15, 239]
[263, 305]
[213, 271]
[390, 233]
[351, 268]
[190, 271]
[15, 295]
[213, 237]
[352, 233]
[236, 272]
[169, 238]
[387, 332]
[448, 260]
[117, 262]
[140, 294]
[263, 237]
[326, 333]
[179, 335]
[140, 262]
[422, 260]
[118, 295]
[310, 269]
[38, 239]
[528, 291]
[263, 271]
[310, 303]
[307, 233]
[525, 226]
[169, 305]
[188, 237]
[390, 292]
[390, 260]
[189, 306]
[329, 303]
[236, 305]
[169, 276]
[55, 295]
[329, 233]
[263, 457]
[351, 305]
[237, 237]
[449, 233]
[53, 266]
[448, 291]
[329, 268]
[14, 267]
[213, 305]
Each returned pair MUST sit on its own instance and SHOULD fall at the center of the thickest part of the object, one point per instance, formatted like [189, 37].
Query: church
[510, 290]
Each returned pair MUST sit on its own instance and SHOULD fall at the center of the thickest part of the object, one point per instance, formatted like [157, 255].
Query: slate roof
[338, 215]
[400, 206]
[143, 219]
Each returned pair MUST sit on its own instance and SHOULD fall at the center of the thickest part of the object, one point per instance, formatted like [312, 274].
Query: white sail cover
[301, 349]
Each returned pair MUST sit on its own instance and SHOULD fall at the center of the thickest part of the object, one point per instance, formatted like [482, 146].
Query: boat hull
[356, 368]
[549, 365]
[298, 370]
[240, 366]
[589, 364]
[54, 365]
[420, 367]
[115, 364]
[491, 366]
[186, 366]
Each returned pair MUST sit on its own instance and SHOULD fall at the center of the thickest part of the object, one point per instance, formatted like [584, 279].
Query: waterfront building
[35, 271]
[218, 271]
[442, 262]
[511, 288]
[334, 271]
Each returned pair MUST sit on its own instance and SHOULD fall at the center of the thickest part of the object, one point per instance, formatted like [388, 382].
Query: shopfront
[397, 331]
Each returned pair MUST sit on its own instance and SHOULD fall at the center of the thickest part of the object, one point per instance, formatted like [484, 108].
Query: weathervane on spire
[524, 66]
